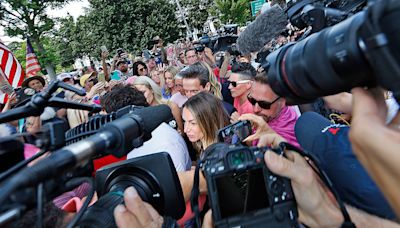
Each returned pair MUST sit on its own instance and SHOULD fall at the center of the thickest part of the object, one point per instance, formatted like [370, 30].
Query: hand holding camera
[316, 206]
[369, 122]
[136, 212]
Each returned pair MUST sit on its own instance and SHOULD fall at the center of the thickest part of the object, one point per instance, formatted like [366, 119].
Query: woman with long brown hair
[203, 116]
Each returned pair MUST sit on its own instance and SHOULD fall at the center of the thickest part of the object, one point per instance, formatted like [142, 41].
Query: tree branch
[11, 21]
[11, 13]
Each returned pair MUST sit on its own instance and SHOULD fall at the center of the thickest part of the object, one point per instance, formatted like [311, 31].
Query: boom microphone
[118, 138]
[266, 27]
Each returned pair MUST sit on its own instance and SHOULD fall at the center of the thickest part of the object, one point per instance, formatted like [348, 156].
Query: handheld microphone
[266, 27]
[118, 138]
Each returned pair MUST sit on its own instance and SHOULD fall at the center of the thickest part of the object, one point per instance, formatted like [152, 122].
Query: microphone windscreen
[266, 27]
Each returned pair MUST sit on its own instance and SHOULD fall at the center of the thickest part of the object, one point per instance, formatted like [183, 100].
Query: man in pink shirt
[272, 108]
[240, 81]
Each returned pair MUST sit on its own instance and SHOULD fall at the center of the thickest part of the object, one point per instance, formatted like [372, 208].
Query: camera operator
[205, 54]
[158, 47]
[330, 144]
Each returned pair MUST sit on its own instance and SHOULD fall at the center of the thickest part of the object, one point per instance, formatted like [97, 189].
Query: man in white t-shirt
[164, 138]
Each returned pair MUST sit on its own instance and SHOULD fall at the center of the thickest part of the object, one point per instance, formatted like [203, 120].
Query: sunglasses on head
[234, 84]
[262, 104]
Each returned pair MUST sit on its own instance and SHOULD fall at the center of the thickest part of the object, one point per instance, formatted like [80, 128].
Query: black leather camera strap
[315, 165]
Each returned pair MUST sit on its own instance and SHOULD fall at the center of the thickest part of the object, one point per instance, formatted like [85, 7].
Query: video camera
[321, 13]
[362, 50]
[243, 192]
[63, 169]
[225, 41]
[158, 185]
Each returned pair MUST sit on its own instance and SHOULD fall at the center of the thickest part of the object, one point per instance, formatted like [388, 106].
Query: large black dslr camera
[243, 192]
[362, 50]
[157, 184]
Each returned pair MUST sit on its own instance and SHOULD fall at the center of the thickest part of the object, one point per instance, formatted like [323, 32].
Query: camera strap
[194, 198]
[315, 165]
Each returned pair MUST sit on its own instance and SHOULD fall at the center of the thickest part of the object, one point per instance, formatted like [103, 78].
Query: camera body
[321, 13]
[225, 43]
[199, 48]
[243, 192]
[338, 58]
[154, 178]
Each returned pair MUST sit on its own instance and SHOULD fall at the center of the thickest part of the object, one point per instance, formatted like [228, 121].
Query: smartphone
[235, 133]
[101, 77]
[6, 88]
[158, 60]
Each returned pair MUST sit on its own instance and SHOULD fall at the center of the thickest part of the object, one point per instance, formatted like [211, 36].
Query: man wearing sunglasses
[272, 108]
[240, 81]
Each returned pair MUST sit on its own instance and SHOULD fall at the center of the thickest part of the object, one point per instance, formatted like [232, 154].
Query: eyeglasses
[262, 104]
[234, 84]
[141, 69]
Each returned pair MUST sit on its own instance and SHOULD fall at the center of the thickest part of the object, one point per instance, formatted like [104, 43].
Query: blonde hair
[215, 85]
[151, 85]
[210, 115]
[160, 76]
[174, 71]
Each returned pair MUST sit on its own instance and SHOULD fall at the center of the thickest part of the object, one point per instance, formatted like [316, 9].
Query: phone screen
[101, 77]
[235, 133]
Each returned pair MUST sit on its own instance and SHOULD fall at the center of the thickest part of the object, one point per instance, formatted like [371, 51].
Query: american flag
[32, 63]
[11, 68]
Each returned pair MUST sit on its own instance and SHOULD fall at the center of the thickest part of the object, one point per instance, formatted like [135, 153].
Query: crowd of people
[205, 95]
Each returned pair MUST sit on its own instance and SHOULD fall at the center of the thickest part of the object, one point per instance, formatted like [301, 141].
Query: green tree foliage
[62, 41]
[119, 24]
[232, 11]
[197, 11]
[19, 51]
[53, 54]
[28, 18]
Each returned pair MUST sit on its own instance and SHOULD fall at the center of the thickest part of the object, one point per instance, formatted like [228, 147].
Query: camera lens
[324, 63]
[145, 184]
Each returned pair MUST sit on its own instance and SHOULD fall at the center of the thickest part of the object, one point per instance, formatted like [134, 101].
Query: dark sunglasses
[234, 84]
[262, 104]
[141, 69]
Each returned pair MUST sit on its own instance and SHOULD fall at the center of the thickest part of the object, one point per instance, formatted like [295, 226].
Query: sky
[75, 9]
